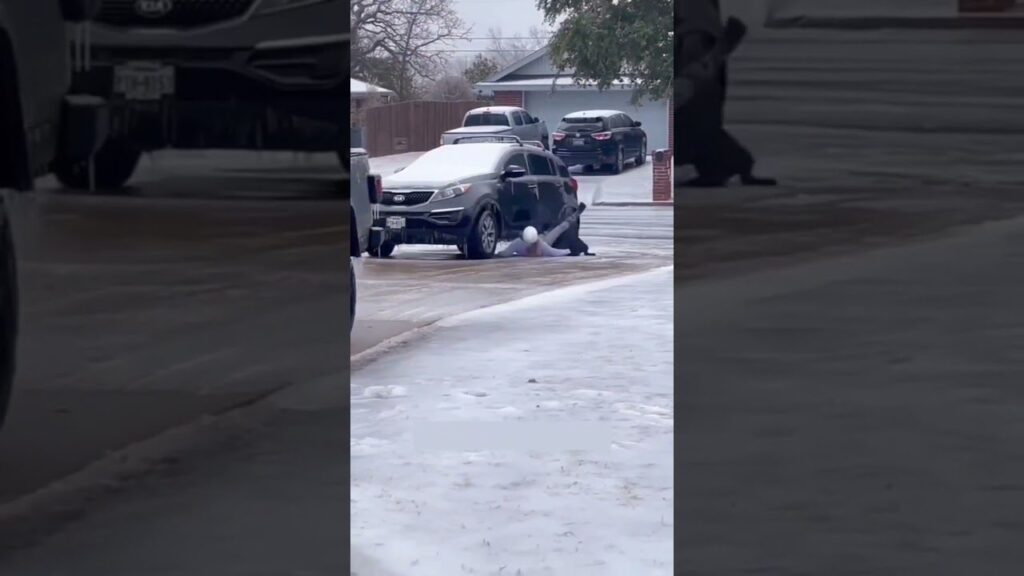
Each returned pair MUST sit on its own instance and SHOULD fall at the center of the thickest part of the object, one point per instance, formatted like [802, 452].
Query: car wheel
[642, 158]
[483, 238]
[589, 168]
[383, 251]
[620, 162]
[8, 319]
[113, 165]
[352, 297]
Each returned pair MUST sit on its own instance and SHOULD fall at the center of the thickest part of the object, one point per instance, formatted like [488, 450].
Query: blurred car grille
[179, 14]
[408, 198]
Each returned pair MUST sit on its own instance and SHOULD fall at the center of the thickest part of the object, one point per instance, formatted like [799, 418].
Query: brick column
[671, 124]
[506, 98]
[662, 175]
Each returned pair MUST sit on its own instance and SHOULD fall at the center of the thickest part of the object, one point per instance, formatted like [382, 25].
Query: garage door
[551, 107]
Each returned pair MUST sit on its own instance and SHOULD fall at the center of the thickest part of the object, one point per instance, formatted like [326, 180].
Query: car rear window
[582, 124]
[486, 119]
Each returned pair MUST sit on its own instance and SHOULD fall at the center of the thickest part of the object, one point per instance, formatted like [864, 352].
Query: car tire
[588, 169]
[8, 318]
[620, 162]
[383, 251]
[352, 297]
[113, 166]
[642, 158]
[483, 238]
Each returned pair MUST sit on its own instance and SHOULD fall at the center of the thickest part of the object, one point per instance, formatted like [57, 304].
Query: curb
[63, 499]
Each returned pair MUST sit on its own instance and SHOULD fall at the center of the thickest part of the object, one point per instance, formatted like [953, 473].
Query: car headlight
[269, 6]
[450, 192]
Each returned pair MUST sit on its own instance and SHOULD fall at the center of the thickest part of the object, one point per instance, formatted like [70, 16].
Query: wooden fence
[413, 126]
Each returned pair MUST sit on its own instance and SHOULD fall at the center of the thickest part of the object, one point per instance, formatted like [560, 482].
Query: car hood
[443, 178]
[479, 130]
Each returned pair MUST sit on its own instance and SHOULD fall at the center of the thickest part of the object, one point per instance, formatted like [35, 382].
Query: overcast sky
[512, 16]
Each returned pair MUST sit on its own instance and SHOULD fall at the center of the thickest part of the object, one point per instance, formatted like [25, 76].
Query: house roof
[498, 81]
[358, 87]
[549, 82]
[529, 59]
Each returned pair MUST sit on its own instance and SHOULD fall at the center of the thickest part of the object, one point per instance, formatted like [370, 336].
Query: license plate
[578, 142]
[395, 222]
[143, 81]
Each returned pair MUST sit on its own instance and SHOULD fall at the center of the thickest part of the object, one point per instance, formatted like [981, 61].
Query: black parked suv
[203, 74]
[473, 194]
[600, 138]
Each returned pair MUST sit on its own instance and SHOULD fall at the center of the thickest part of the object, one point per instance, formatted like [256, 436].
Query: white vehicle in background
[365, 193]
[500, 121]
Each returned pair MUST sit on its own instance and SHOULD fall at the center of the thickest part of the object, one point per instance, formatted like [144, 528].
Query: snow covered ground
[531, 438]
[633, 186]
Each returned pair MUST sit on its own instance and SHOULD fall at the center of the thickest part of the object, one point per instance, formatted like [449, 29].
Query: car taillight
[602, 135]
[556, 136]
[375, 187]
[574, 185]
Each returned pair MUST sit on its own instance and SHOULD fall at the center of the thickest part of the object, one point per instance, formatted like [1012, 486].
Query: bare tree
[505, 50]
[399, 43]
[451, 87]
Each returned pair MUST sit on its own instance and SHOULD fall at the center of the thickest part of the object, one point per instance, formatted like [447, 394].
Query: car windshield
[581, 125]
[487, 119]
[454, 161]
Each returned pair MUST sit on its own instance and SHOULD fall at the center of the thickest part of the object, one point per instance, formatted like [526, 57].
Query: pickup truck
[503, 121]
[35, 110]
[365, 193]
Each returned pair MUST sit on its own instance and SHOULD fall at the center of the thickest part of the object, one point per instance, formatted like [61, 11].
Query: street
[203, 292]
[848, 343]
[231, 260]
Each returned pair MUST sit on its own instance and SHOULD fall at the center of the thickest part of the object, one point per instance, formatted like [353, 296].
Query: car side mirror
[637, 124]
[513, 172]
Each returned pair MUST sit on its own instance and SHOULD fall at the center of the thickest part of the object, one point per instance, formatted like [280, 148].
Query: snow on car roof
[593, 114]
[496, 109]
[453, 161]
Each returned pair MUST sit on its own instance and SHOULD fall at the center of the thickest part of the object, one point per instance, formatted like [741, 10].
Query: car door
[550, 196]
[518, 125]
[632, 145]
[533, 128]
[516, 197]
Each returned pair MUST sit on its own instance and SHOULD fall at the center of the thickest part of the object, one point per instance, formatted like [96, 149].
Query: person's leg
[551, 236]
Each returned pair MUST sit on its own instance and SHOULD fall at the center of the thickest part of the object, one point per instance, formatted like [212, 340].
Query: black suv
[473, 194]
[599, 138]
[204, 74]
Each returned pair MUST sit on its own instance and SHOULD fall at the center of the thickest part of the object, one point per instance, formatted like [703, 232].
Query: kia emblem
[153, 8]
[398, 198]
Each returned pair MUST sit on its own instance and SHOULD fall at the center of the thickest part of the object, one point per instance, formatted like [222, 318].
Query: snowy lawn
[532, 438]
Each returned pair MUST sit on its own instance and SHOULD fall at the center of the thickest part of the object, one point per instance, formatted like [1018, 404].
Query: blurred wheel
[352, 297]
[383, 251]
[642, 158]
[113, 166]
[8, 315]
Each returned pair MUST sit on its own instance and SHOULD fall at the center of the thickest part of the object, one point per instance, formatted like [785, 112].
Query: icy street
[432, 495]
[419, 285]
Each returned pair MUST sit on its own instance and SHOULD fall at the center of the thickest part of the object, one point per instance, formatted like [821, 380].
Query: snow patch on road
[384, 392]
[480, 467]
